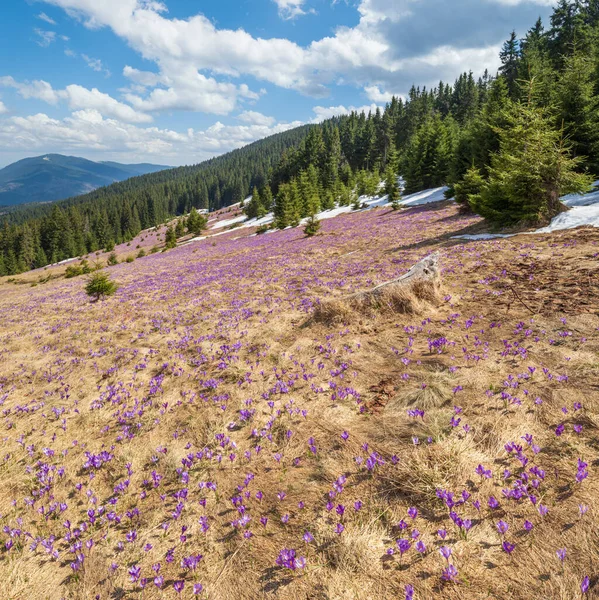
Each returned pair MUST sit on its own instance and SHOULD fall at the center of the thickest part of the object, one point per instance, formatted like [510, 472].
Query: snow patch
[229, 222]
[481, 236]
[425, 197]
[575, 217]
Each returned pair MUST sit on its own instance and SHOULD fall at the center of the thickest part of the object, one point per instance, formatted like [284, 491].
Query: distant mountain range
[54, 177]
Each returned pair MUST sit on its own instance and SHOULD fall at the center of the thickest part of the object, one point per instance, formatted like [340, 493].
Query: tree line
[507, 144]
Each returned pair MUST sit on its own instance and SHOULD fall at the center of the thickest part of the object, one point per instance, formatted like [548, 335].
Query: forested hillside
[509, 144]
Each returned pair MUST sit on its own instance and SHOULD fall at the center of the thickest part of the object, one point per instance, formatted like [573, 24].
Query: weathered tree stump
[410, 293]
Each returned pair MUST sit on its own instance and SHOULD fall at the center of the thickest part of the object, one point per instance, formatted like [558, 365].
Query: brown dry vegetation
[45, 355]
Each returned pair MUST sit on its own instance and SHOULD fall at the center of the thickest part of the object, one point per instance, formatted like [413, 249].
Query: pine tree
[392, 188]
[471, 185]
[510, 56]
[170, 238]
[330, 173]
[266, 198]
[309, 191]
[283, 206]
[196, 222]
[532, 169]
[312, 226]
[99, 286]
[254, 207]
[578, 107]
[484, 138]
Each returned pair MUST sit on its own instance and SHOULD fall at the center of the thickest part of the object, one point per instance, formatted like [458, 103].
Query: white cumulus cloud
[86, 132]
[77, 98]
[289, 9]
[390, 47]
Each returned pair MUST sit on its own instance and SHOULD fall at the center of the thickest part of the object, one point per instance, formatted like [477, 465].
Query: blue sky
[178, 81]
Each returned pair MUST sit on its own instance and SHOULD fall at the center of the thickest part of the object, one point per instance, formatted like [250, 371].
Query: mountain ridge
[52, 177]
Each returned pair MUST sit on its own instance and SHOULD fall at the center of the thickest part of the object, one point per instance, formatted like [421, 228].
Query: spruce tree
[99, 286]
[578, 107]
[283, 208]
[510, 56]
[471, 185]
[253, 207]
[532, 169]
[392, 188]
[312, 226]
[170, 238]
[266, 198]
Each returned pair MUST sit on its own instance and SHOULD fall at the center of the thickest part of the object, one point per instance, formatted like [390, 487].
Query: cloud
[3, 108]
[95, 64]
[323, 113]
[44, 17]
[39, 90]
[78, 98]
[376, 95]
[45, 37]
[87, 132]
[184, 88]
[517, 2]
[396, 43]
[289, 9]
[256, 118]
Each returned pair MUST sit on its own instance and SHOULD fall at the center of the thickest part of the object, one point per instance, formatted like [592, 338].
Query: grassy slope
[162, 370]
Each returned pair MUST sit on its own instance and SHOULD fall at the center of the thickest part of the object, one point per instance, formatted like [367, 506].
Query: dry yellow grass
[188, 311]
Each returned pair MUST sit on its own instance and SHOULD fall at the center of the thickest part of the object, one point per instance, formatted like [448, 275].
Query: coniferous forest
[507, 144]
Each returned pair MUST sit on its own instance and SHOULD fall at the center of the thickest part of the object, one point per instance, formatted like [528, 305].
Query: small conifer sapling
[100, 286]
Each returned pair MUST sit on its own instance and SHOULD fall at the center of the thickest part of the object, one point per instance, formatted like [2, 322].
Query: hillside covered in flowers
[202, 434]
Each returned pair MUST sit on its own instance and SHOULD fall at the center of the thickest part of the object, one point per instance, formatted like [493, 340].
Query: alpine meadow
[352, 356]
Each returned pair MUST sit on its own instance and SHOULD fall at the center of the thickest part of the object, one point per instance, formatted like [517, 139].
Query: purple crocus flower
[507, 547]
[178, 586]
[403, 546]
[584, 586]
[449, 573]
[528, 525]
[445, 552]
[561, 554]
[409, 592]
[134, 573]
[502, 527]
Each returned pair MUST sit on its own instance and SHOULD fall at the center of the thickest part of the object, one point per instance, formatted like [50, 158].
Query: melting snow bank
[367, 202]
[425, 197]
[584, 210]
[481, 236]
[575, 217]
[229, 222]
